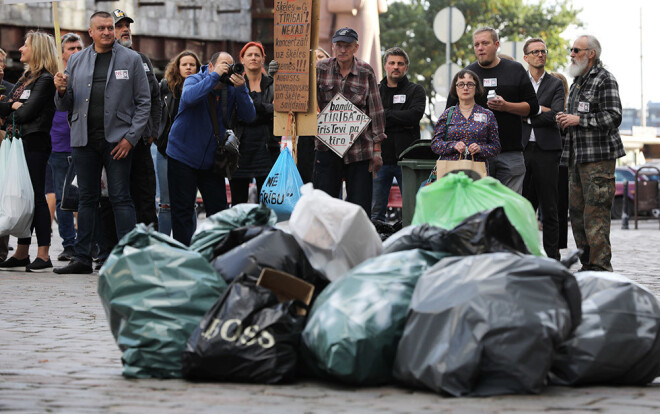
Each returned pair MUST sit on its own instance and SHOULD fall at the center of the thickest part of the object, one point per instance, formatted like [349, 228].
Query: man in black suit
[542, 143]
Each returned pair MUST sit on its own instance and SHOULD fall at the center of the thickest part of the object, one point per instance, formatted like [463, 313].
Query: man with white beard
[591, 147]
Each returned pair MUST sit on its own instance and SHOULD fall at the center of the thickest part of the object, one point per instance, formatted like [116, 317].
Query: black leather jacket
[35, 116]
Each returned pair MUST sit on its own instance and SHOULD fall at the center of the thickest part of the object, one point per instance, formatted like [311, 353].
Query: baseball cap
[345, 34]
[118, 15]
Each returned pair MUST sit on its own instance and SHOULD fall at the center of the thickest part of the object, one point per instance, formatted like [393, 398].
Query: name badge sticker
[583, 107]
[490, 83]
[121, 74]
[25, 94]
[399, 99]
[480, 118]
[146, 67]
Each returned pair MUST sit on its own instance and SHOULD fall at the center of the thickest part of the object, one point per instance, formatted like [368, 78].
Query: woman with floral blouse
[471, 128]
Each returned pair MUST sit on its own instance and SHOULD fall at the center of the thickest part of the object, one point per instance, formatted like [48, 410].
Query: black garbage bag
[272, 248]
[488, 231]
[238, 236]
[384, 229]
[618, 340]
[487, 324]
[247, 336]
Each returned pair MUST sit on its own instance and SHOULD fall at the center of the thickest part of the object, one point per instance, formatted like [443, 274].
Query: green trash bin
[416, 163]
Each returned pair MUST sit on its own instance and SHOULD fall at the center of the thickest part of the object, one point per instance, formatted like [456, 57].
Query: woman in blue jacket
[192, 142]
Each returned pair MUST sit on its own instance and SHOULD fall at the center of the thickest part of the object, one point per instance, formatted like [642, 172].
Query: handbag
[225, 160]
[70, 194]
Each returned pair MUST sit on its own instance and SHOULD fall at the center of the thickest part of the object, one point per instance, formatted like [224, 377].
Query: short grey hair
[593, 44]
[72, 37]
[396, 51]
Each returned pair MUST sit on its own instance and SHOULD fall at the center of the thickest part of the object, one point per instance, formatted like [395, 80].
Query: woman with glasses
[467, 128]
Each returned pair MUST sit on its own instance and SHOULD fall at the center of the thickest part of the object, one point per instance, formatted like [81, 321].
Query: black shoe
[66, 255]
[74, 268]
[15, 265]
[99, 264]
[39, 265]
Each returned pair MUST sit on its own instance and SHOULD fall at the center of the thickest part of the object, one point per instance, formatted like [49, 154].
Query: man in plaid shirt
[591, 148]
[356, 80]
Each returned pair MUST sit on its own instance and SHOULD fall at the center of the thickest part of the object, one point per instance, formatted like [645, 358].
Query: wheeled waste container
[416, 163]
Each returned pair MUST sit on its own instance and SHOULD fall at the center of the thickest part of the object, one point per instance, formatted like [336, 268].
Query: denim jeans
[382, 186]
[90, 160]
[183, 183]
[59, 165]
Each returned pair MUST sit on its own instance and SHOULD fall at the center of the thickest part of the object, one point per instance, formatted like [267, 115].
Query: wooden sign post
[292, 116]
[56, 27]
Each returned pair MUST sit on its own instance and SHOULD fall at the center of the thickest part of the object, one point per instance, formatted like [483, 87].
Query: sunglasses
[577, 50]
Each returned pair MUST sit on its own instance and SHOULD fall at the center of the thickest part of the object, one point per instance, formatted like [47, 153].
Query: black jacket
[546, 132]
[169, 105]
[401, 118]
[35, 116]
[151, 130]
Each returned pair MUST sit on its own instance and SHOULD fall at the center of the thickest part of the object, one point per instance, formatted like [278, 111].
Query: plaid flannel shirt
[595, 98]
[361, 88]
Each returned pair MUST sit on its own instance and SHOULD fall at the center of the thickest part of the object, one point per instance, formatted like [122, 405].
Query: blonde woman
[30, 111]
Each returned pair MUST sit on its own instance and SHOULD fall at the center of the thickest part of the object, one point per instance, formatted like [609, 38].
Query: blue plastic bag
[281, 191]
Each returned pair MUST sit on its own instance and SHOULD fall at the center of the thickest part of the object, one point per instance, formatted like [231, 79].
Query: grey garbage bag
[356, 323]
[487, 324]
[618, 340]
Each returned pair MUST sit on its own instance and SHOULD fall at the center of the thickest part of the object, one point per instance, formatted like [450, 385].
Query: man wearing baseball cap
[356, 80]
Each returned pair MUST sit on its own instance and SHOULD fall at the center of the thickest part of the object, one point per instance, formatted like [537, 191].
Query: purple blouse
[479, 128]
[60, 133]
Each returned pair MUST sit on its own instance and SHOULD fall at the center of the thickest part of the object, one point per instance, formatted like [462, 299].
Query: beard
[577, 68]
[126, 42]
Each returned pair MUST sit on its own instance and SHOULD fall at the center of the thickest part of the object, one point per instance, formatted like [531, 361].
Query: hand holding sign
[340, 123]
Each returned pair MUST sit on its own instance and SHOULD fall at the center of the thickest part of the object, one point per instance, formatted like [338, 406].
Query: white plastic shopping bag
[16, 194]
[334, 234]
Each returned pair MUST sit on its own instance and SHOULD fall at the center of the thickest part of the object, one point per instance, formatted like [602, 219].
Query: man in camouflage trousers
[591, 148]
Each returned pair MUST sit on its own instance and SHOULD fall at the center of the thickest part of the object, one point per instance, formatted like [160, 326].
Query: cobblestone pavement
[57, 355]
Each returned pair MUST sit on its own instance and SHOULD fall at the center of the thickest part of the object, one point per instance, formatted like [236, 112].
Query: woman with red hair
[259, 148]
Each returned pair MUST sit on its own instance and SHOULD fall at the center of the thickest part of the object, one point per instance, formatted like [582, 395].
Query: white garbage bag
[334, 234]
[16, 193]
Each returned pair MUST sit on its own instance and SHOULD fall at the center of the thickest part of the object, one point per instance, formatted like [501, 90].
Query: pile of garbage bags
[462, 302]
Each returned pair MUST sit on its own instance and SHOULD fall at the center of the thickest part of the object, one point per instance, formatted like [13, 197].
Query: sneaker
[39, 265]
[66, 255]
[74, 268]
[15, 265]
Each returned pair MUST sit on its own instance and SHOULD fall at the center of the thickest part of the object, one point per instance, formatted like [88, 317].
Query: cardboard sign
[340, 123]
[293, 22]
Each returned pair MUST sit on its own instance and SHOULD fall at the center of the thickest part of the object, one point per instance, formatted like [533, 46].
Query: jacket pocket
[358, 95]
[125, 118]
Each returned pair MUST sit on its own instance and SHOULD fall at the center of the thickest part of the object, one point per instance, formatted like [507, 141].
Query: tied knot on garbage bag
[154, 292]
[487, 324]
[215, 228]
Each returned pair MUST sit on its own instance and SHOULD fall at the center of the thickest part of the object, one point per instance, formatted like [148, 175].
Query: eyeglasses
[577, 50]
[469, 85]
[536, 52]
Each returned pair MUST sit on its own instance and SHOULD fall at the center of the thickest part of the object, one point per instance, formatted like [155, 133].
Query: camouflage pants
[591, 192]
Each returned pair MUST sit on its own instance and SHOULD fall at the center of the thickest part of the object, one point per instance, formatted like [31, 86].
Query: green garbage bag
[215, 228]
[456, 197]
[354, 328]
[155, 292]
